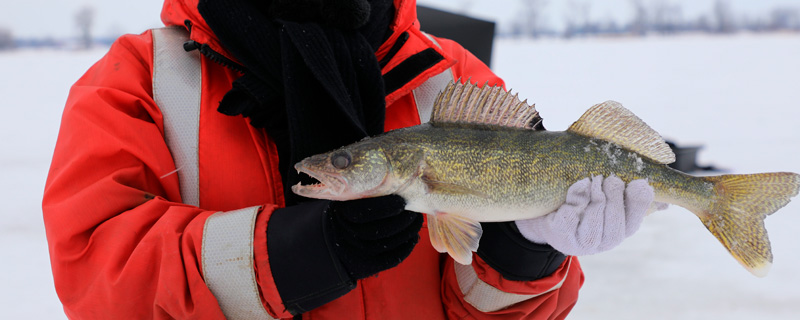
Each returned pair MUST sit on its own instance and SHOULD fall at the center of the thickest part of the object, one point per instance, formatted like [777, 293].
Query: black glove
[318, 249]
[504, 249]
[373, 234]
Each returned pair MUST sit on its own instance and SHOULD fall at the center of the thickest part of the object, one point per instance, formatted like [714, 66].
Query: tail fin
[736, 218]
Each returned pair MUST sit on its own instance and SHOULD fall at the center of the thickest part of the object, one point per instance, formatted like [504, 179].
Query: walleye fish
[483, 158]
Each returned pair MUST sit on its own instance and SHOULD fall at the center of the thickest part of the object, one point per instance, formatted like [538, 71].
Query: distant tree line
[6, 39]
[84, 20]
[649, 17]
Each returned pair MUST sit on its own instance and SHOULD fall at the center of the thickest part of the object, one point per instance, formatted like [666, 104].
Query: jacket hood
[185, 13]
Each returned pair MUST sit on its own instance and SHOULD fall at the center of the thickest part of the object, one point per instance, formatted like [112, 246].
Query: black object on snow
[475, 35]
[686, 158]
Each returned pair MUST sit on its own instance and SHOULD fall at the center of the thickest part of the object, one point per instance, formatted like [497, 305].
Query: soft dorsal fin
[470, 104]
[610, 121]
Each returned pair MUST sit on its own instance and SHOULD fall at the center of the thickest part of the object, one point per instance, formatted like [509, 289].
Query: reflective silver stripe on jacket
[486, 298]
[425, 95]
[176, 90]
[228, 263]
[227, 250]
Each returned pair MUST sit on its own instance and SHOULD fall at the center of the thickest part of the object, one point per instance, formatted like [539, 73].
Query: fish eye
[341, 160]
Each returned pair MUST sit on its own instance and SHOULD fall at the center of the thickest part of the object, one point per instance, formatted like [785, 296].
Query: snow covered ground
[738, 96]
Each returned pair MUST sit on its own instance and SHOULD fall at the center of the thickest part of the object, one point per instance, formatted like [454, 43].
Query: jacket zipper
[217, 57]
[209, 53]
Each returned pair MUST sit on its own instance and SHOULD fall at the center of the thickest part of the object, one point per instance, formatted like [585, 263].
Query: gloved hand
[373, 234]
[598, 215]
[317, 250]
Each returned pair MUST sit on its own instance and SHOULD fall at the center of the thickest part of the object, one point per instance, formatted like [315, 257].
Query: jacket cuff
[485, 290]
[227, 262]
[304, 267]
[504, 249]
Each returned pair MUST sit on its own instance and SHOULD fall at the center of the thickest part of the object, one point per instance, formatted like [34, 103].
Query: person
[278, 81]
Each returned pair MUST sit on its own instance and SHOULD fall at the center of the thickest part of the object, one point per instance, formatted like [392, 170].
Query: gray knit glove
[598, 215]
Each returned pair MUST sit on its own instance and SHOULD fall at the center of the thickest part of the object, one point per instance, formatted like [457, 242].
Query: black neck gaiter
[311, 77]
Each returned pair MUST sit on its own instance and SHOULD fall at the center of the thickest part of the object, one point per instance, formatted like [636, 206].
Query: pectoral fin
[456, 235]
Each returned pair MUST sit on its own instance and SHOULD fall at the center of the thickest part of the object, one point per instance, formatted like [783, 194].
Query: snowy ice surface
[737, 96]
[33, 88]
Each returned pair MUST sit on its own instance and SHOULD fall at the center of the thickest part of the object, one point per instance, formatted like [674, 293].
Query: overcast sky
[55, 18]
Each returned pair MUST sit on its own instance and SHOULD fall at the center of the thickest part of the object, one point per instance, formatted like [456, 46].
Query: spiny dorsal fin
[470, 104]
[610, 121]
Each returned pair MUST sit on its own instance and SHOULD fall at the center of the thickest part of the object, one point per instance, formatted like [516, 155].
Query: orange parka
[123, 244]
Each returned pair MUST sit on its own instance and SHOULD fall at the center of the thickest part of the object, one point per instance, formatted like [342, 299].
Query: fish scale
[485, 157]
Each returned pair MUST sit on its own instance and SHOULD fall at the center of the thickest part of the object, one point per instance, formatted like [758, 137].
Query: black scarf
[311, 77]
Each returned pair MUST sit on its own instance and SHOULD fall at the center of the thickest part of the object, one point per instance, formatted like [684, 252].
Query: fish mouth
[330, 185]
